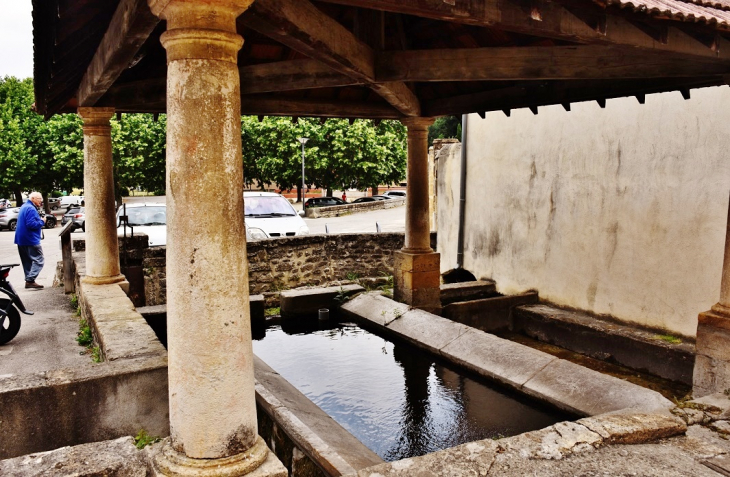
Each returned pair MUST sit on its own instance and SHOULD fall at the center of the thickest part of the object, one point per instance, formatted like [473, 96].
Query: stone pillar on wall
[712, 359]
[213, 425]
[417, 269]
[433, 167]
[102, 245]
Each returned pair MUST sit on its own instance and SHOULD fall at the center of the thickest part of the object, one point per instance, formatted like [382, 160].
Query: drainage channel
[396, 399]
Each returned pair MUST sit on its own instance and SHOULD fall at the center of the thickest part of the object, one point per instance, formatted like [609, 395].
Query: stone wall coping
[566, 385]
[310, 292]
[338, 210]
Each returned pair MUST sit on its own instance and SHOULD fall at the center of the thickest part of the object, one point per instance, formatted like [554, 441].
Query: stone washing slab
[426, 330]
[463, 291]
[564, 384]
[586, 392]
[374, 308]
[312, 429]
[634, 428]
[295, 303]
[506, 362]
[256, 305]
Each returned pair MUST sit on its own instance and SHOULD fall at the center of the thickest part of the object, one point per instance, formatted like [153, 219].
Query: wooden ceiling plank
[540, 62]
[555, 22]
[131, 25]
[302, 27]
[290, 76]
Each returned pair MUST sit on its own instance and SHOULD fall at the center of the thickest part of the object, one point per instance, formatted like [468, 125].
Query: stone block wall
[280, 264]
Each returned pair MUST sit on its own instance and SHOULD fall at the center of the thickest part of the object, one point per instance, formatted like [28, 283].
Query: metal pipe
[462, 196]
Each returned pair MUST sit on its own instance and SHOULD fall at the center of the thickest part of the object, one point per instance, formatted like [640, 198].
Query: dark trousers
[31, 256]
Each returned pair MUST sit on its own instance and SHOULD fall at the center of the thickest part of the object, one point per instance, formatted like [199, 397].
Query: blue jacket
[28, 231]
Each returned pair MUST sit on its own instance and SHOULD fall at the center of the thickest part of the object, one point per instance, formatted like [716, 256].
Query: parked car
[54, 203]
[323, 202]
[5, 203]
[394, 193]
[149, 219]
[270, 215]
[9, 218]
[374, 198]
[77, 215]
[72, 200]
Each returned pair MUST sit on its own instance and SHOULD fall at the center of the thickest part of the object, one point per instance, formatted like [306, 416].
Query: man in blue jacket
[28, 239]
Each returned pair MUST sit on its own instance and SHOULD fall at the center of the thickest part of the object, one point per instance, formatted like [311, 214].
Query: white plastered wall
[620, 211]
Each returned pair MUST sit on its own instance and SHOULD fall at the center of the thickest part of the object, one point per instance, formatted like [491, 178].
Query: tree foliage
[338, 155]
[48, 156]
[445, 127]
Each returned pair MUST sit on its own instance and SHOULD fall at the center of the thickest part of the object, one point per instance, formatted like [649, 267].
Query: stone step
[488, 314]
[602, 339]
[453, 292]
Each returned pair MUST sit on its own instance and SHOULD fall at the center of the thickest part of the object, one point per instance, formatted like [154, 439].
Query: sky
[16, 38]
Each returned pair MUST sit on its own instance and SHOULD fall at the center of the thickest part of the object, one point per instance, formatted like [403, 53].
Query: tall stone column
[712, 359]
[213, 426]
[102, 246]
[417, 268]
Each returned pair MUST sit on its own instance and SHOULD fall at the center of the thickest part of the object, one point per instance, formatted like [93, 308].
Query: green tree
[16, 159]
[445, 127]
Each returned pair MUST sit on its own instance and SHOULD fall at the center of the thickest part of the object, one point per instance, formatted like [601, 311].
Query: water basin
[396, 399]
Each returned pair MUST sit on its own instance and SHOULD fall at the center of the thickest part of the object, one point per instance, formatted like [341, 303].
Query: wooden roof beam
[292, 75]
[590, 24]
[539, 62]
[301, 26]
[131, 25]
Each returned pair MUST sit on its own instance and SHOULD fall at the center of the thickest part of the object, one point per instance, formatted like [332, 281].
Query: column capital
[96, 120]
[211, 14]
[417, 123]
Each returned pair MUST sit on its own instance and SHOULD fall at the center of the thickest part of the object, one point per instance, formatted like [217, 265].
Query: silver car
[9, 218]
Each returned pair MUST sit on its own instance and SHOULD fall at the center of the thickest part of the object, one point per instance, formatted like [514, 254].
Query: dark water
[396, 399]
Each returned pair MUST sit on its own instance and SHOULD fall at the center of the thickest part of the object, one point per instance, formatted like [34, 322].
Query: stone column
[102, 245]
[712, 359]
[213, 427]
[416, 272]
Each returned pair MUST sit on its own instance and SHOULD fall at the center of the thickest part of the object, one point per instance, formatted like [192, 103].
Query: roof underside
[393, 58]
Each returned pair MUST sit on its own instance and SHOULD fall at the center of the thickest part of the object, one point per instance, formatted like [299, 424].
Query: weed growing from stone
[96, 354]
[352, 276]
[75, 301]
[84, 337]
[143, 439]
[668, 338]
[273, 311]
[341, 297]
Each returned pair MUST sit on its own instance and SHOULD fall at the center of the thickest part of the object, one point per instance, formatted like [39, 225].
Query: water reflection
[396, 399]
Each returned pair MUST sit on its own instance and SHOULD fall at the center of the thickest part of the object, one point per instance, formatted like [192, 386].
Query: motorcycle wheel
[11, 325]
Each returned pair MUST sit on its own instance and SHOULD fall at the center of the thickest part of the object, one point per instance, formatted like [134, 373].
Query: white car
[395, 194]
[149, 219]
[71, 200]
[270, 215]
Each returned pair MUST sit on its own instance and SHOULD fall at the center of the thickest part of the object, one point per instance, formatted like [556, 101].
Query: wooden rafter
[131, 25]
[553, 21]
[536, 63]
[538, 93]
[291, 75]
[302, 27]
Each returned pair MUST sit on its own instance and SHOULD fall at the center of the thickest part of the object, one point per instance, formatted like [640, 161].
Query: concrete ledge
[464, 291]
[488, 314]
[54, 409]
[601, 339]
[326, 443]
[339, 210]
[564, 384]
[307, 302]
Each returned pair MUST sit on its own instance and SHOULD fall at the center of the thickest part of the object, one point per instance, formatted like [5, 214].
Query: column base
[417, 280]
[258, 461]
[712, 360]
[103, 280]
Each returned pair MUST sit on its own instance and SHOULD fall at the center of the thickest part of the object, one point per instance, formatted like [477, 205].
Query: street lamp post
[303, 140]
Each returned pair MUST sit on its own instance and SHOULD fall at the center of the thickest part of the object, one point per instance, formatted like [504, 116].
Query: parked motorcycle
[9, 316]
